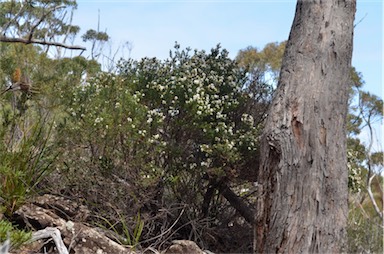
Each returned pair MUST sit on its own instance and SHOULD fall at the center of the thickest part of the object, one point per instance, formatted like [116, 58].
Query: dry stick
[377, 209]
[73, 240]
[53, 233]
[68, 31]
[4, 247]
[166, 231]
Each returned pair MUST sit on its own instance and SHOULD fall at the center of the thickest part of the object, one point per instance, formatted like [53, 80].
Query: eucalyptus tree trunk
[303, 176]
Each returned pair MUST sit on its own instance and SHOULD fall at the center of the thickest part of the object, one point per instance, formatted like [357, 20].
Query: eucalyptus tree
[303, 176]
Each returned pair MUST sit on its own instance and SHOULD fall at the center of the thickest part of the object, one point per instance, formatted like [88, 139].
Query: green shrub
[17, 237]
[25, 160]
[208, 130]
[364, 231]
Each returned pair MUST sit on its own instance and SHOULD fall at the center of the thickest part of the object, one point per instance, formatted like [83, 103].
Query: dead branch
[236, 202]
[40, 42]
[4, 247]
[53, 233]
[371, 196]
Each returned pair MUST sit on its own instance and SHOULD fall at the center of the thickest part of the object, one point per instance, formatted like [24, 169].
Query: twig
[151, 249]
[166, 231]
[7, 25]
[42, 18]
[360, 20]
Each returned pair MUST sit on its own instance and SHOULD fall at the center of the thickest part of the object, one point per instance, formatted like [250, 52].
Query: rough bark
[303, 171]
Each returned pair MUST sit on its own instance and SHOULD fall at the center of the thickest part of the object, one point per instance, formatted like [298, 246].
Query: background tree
[46, 23]
[303, 174]
[265, 63]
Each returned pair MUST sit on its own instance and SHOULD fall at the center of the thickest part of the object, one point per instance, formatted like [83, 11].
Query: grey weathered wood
[53, 233]
[303, 171]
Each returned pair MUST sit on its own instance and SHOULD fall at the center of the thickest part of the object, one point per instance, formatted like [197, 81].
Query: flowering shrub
[111, 129]
[207, 129]
[355, 181]
[160, 133]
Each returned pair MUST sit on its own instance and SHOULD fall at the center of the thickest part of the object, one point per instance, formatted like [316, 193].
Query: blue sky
[153, 26]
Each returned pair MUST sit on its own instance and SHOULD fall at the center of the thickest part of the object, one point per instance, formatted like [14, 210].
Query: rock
[48, 211]
[65, 208]
[182, 247]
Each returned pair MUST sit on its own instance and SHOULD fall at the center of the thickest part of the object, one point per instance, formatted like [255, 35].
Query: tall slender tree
[303, 176]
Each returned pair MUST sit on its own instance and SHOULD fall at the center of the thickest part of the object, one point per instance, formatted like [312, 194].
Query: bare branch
[41, 42]
[360, 20]
[371, 196]
[242, 207]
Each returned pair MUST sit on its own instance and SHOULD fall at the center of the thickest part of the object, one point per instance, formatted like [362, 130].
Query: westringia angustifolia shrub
[355, 181]
[200, 96]
[111, 128]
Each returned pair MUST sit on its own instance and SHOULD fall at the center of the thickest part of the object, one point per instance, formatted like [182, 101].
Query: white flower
[204, 147]
[247, 119]
[230, 145]
[173, 112]
[98, 120]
